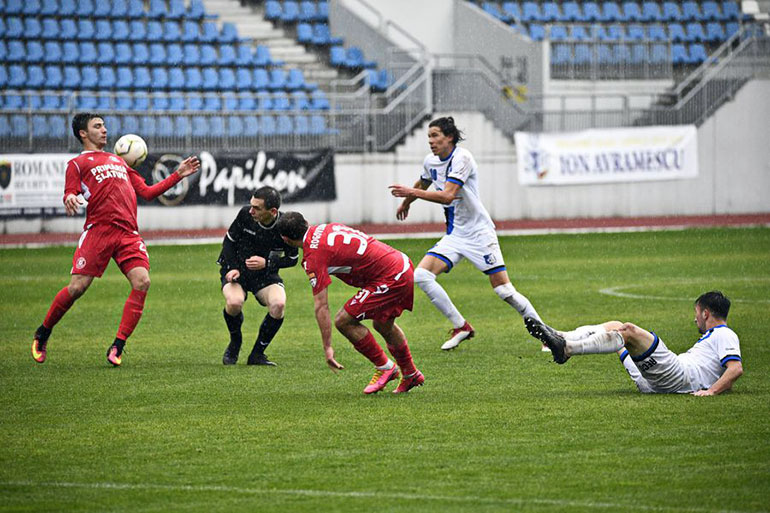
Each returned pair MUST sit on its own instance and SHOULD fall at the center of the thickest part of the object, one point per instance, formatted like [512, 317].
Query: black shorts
[253, 282]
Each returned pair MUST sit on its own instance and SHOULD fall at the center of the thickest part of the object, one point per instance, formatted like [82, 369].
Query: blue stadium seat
[636, 32]
[243, 79]
[290, 11]
[200, 126]
[639, 54]
[226, 80]
[53, 101]
[32, 28]
[319, 100]
[124, 78]
[356, 59]
[154, 31]
[296, 80]
[86, 30]
[621, 53]
[229, 34]
[711, 11]
[551, 12]
[611, 12]
[264, 101]
[164, 125]
[130, 124]
[714, 32]
[176, 10]
[31, 8]
[580, 33]
[679, 54]
[277, 79]
[284, 125]
[102, 9]
[171, 31]
[677, 32]
[159, 76]
[194, 102]
[561, 54]
[142, 78]
[530, 11]
[337, 56]
[227, 55]
[604, 54]
[119, 10]
[511, 11]
[318, 125]
[571, 11]
[322, 36]
[304, 33]
[3, 75]
[148, 126]
[613, 32]
[193, 79]
[85, 101]
[192, 55]
[558, 33]
[35, 77]
[731, 11]
[14, 28]
[250, 126]
[300, 101]
[49, 8]
[731, 28]
[229, 101]
[123, 101]
[209, 32]
[671, 11]
[70, 52]
[592, 11]
[57, 127]
[261, 80]
[536, 32]
[323, 11]
[40, 126]
[281, 101]
[15, 51]
[660, 54]
[196, 10]
[12, 7]
[71, 77]
[88, 53]
[493, 10]
[120, 31]
[698, 53]
[263, 59]
[244, 57]
[53, 76]
[307, 11]
[235, 126]
[208, 55]
[85, 8]
[582, 54]
[123, 53]
[691, 11]
[157, 9]
[651, 11]
[19, 125]
[190, 31]
[273, 10]
[212, 102]
[107, 79]
[632, 12]
[102, 28]
[176, 101]
[217, 126]
[247, 102]
[137, 30]
[140, 54]
[657, 33]
[157, 54]
[50, 28]
[695, 32]
[174, 54]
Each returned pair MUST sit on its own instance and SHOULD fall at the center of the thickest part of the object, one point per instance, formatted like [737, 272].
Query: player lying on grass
[709, 367]
[386, 280]
[110, 186]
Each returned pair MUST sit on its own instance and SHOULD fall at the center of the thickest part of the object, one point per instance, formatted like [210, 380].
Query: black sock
[267, 331]
[42, 333]
[234, 327]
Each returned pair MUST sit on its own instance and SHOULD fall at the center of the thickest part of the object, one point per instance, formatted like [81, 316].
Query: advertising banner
[32, 185]
[607, 155]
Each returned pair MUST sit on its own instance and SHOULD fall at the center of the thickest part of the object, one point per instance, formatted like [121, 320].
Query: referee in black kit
[252, 253]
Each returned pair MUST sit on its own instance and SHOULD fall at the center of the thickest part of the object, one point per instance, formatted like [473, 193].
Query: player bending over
[709, 367]
[470, 232]
[386, 281]
[252, 253]
[110, 186]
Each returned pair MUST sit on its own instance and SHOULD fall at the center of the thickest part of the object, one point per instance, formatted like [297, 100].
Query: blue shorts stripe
[442, 258]
[494, 270]
[651, 350]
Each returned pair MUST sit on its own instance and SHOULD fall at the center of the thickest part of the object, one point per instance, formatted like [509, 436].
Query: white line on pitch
[372, 495]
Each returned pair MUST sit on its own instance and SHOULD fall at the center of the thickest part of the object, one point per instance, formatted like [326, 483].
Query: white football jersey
[710, 354]
[465, 216]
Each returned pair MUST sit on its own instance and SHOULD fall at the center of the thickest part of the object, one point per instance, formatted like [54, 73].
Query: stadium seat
[156, 54]
[660, 54]
[154, 31]
[337, 56]
[119, 10]
[621, 53]
[70, 52]
[698, 53]
[284, 125]
[226, 79]
[52, 102]
[86, 102]
[157, 9]
[19, 125]
[102, 28]
[49, 8]
[512, 11]
[102, 9]
[123, 101]
[632, 12]
[281, 101]
[580, 33]
[35, 77]
[582, 54]
[130, 124]
[14, 28]
[561, 54]
[319, 100]
[671, 11]
[229, 101]
[14, 100]
[123, 53]
[137, 31]
[613, 32]
[243, 79]
[32, 28]
[558, 33]
[636, 32]
[34, 52]
[124, 78]
[140, 54]
[171, 31]
[262, 57]
[267, 125]
[536, 32]
[71, 78]
[107, 79]
[651, 11]
[159, 76]
[261, 80]
[356, 59]
[53, 76]
[164, 125]
[244, 57]
[142, 78]
[604, 54]
[695, 32]
[208, 55]
[551, 12]
[86, 30]
[657, 33]
[691, 11]
[307, 11]
[196, 10]
[87, 52]
[714, 32]
[677, 32]
[250, 126]
[148, 126]
[15, 51]
[176, 101]
[530, 11]
[193, 79]
[323, 11]
[176, 10]
[229, 34]
[209, 32]
[247, 102]
[592, 11]
[227, 55]
[50, 29]
[264, 101]
[289, 12]
[194, 102]
[192, 55]
[68, 29]
[322, 36]
[120, 31]
[200, 126]
[273, 10]
[30, 8]
[40, 126]
[571, 11]
[174, 54]
[216, 126]
[711, 11]
[84, 8]
[318, 125]
[611, 12]
[190, 31]
[300, 101]
[212, 102]
[493, 10]
[731, 28]
[679, 54]
[277, 79]
[304, 33]
[731, 11]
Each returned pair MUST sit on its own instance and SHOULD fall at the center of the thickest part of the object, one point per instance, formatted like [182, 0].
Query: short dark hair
[448, 128]
[269, 195]
[715, 302]
[292, 225]
[80, 122]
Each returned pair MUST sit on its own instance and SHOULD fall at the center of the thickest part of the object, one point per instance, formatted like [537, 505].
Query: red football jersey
[110, 186]
[351, 255]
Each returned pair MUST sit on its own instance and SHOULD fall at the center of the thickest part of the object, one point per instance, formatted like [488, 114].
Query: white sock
[516, 299]
[598, 343]
[426, 280]
[583, 332]
[387, 366]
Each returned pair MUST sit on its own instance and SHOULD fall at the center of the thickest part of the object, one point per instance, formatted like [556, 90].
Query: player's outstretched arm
[444, 197]
[733, 371]
[323, 318]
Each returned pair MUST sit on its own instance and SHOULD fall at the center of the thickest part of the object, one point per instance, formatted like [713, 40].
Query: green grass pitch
[497, 427]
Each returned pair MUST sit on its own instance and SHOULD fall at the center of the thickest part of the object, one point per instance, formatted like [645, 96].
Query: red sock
[369, 347]
[132, 312]
[403, 356]
[61, 303]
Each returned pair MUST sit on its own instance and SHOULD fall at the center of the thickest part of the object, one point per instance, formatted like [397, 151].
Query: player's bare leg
[274, 297]
[363, 341]
[139, 278]
[399, 348]
[62, 302]
[233, 315]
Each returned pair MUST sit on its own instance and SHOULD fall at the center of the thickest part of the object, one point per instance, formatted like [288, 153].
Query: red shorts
[99, 243]
[385, 300]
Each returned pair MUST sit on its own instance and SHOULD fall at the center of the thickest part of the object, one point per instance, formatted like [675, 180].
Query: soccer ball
[132, 149]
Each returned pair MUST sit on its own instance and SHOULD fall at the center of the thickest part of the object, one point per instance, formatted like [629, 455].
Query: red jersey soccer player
[110, 186]
[386, 280]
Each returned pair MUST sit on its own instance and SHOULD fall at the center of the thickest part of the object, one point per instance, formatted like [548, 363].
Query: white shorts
[482, 250]
[659, 371]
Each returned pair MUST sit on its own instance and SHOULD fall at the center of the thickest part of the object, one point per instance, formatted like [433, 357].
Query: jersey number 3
[347, 234]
